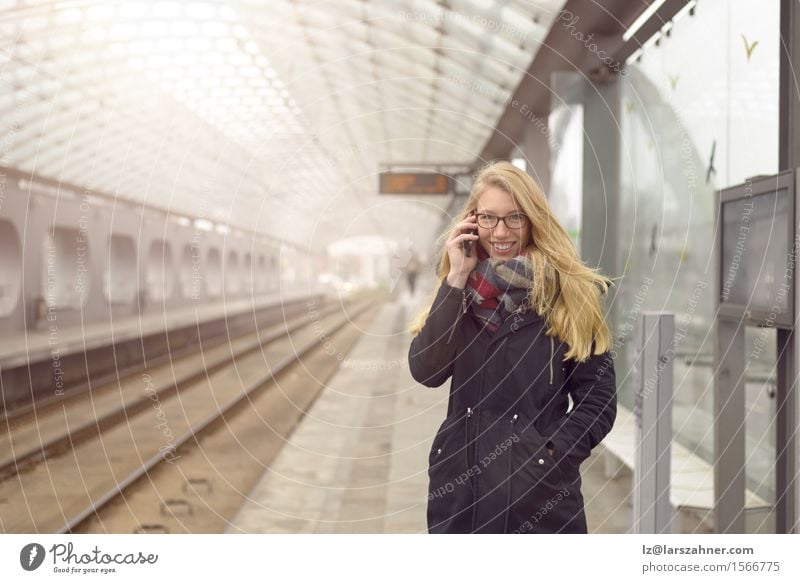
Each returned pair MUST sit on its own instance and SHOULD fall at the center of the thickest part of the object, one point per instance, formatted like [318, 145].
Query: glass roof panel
[293, 102]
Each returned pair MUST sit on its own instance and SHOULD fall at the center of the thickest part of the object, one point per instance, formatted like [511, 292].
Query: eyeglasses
[515, 221]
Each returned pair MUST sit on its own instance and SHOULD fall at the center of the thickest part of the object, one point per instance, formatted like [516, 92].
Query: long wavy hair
[564, 291]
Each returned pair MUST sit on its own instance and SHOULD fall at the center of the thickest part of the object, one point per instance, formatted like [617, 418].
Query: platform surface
[357, 463]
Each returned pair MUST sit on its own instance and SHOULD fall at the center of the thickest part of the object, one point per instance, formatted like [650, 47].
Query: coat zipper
[466, 442]
[478, 421]
[510, 468]
[463, 311]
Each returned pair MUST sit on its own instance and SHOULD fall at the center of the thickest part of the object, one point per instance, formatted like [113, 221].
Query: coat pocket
[449, 486]
[447, 443]
[531, 450]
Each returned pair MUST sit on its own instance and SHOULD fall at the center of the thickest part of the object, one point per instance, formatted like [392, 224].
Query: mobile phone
[467, 245]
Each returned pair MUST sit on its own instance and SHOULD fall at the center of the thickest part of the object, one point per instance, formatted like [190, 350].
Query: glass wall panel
[699, 113]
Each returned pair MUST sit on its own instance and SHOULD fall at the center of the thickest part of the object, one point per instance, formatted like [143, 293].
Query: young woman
[518, 325]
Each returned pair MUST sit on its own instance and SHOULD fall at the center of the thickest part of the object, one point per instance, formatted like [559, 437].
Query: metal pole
[653, 512]
[729, 430]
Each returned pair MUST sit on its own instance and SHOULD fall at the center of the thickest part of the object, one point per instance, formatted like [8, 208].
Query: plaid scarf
[498, 287]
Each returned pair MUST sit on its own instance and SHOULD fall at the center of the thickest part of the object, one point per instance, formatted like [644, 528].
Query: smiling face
[498, 202]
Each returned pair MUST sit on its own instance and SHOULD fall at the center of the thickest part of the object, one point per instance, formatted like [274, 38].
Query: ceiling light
[643, 17]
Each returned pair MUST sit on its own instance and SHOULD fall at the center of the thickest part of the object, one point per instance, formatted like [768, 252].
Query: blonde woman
[518, 324]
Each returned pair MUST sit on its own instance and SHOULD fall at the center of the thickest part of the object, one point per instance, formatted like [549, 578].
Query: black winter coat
[489, 468]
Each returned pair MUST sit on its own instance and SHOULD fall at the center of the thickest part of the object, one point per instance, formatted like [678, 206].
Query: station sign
[414, 183]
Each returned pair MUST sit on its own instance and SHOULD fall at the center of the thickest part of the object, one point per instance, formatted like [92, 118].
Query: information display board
[758, 251]
[414, 183]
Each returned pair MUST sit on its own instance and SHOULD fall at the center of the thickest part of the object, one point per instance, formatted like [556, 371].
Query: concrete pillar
[600, 213]
[601, 176]
[534, 148]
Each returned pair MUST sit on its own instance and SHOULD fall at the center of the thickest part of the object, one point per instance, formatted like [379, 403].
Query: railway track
[84, 461]
[49, 430]
[235, 325]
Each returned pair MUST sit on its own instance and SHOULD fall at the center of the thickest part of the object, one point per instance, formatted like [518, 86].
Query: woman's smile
[504, 247]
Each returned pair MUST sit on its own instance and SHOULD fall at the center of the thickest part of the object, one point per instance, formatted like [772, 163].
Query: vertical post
[729, 430]
[653, 511]
[792, 400]
[788, 511]
[785, 468]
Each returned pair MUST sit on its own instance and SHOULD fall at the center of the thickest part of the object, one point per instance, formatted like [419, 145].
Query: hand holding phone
[460, 249]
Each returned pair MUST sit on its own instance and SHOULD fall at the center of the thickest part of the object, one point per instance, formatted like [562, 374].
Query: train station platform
[41, 344]
[357, 462]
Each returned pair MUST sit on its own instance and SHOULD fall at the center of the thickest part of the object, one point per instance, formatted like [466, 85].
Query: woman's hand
[460, 264]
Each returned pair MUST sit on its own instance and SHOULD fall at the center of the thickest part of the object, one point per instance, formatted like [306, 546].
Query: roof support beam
[565, 48]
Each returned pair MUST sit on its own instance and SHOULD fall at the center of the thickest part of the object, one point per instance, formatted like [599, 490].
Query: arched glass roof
[271, 116]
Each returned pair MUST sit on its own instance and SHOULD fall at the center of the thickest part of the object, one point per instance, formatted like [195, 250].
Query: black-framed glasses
[515, 221]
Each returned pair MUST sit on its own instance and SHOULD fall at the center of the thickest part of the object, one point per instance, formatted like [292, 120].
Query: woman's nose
[501, 230]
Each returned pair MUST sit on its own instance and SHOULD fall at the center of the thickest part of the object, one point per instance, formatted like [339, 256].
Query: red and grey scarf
[498, 287]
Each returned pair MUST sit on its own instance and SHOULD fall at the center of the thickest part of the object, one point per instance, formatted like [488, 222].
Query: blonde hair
[564, 291]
